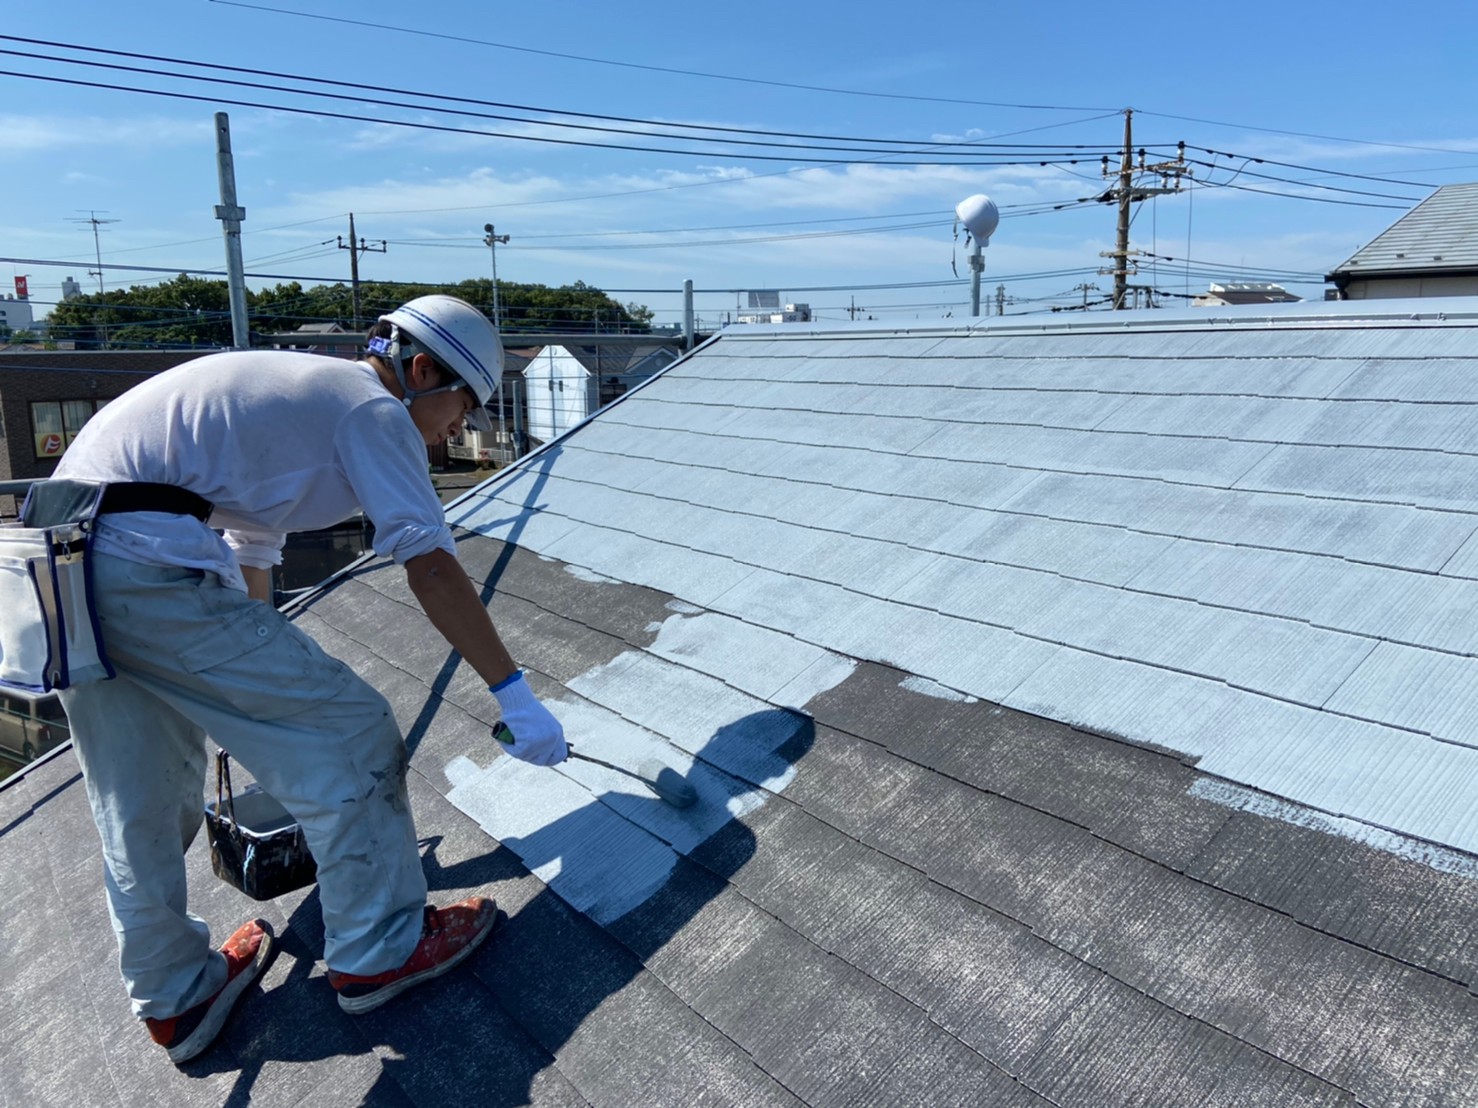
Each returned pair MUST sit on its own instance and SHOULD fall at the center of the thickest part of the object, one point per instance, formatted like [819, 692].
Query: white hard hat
[460, 338]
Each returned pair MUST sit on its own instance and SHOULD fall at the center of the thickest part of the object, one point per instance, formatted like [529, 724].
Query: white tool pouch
[49, 635]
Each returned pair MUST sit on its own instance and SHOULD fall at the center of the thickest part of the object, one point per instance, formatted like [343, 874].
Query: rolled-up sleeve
[385, 463]
[255, 547]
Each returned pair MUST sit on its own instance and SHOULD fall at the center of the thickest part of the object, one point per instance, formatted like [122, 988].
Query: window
[55, 424]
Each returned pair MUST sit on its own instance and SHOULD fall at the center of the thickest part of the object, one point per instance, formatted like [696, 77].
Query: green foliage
[190, 311]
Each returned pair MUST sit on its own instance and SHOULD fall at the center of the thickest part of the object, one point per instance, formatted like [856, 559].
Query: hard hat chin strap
[399, 354]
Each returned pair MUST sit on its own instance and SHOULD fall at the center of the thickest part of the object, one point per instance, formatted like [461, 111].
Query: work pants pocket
[265, 668]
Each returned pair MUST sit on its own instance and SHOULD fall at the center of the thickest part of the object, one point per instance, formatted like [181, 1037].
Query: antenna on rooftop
[980, 216]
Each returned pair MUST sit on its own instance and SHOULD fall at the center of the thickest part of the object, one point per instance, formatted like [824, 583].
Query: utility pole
[1000, 300]
[492, 241]
[688, 314]
[1125, 193]
[231, 214]
[1085, 288]
[92, 217]
[356, 247]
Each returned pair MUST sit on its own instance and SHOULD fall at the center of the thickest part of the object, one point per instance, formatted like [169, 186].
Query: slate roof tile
[1416, 906]
[1122, 1048]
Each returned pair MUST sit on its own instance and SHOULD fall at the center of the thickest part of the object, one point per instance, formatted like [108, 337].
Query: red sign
[20, 288]
[48, 446]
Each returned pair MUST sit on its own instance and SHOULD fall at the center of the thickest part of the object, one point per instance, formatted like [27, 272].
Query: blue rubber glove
[537, 737]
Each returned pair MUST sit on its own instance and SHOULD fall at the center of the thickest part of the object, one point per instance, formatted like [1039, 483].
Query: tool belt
[49, 633]
[146, 496]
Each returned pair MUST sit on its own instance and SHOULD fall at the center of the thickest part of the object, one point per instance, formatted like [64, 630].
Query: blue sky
[1285, 83]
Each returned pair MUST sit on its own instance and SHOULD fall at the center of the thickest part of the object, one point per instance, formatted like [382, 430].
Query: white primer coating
[580, 573]
[1260, 804]
[925, 687]
[765, 663]
[599, 837]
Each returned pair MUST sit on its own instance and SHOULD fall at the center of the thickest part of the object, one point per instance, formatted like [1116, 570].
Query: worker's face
[439, 416]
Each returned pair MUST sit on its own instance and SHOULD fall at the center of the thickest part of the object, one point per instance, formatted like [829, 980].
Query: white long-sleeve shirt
[278, 442]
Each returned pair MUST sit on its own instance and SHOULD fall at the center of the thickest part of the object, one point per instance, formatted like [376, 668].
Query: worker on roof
[253, 445]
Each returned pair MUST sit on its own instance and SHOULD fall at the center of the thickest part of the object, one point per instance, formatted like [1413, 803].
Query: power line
[1306, 184]
[466, 41]
[448, 129]
[1296, 196]
[1326, 172]
[1288, 274]
[794, 151]
[754, 239]
[648, 124]
[1306, 134]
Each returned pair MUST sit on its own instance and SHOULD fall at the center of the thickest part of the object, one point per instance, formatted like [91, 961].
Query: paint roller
[661, 778]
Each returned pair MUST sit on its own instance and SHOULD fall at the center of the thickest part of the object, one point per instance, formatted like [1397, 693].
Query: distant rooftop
[1439, 235]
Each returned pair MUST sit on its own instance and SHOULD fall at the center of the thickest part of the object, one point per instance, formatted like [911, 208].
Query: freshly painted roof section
[1439, 234]
[1247, 539]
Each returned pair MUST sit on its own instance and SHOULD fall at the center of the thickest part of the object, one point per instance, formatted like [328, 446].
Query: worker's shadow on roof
[617, 896]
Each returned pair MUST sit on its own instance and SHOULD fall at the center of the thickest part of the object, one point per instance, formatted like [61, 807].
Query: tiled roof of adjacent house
[1438, 235]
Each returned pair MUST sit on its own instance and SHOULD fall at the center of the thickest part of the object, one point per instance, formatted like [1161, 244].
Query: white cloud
[31, 134]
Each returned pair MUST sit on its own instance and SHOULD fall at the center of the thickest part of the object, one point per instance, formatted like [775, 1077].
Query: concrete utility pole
[231, 214]
[492, 241]
[1126, 193]
[356, 247]
[688, 314]
[1000, 300]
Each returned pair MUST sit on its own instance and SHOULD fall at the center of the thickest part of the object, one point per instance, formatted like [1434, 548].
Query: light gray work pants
[197, 658]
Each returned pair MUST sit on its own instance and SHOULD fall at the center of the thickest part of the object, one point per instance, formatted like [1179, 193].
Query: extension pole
[231, 214]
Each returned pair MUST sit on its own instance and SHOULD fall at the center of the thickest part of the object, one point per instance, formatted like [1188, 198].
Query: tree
[191, 311]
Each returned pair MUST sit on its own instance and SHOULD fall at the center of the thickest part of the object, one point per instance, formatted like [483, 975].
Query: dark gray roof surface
[897, 886]
[1438, 235]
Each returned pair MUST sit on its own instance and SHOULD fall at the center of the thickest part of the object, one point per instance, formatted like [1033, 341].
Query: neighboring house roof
[1439, 235]
[1244, 292]
[329, 328]
[605, 360]
[1081, 714]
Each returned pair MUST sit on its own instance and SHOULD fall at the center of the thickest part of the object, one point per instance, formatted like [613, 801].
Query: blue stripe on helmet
[441, 331]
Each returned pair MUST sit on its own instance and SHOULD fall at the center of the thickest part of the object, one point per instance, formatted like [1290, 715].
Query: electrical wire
[1301, 134]
[1327, 172]
[1290, 274]
[701, 242]
[464, 40]
[1305, 184]
[794, 151]
[448, 129]
[462, 100]
[1297, 196]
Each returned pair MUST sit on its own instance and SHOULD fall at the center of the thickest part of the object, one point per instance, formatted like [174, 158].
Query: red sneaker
[190, 1033]
[448, 936]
